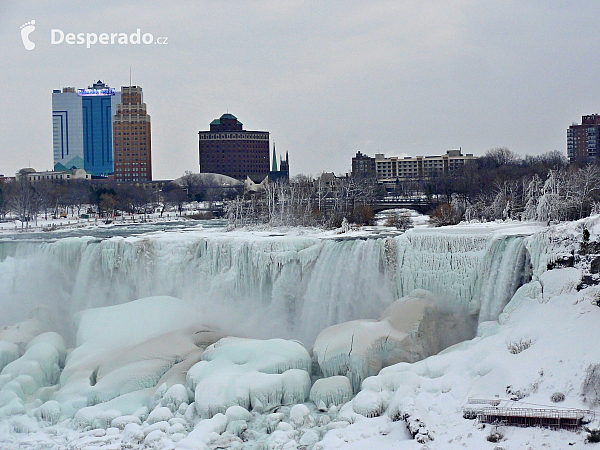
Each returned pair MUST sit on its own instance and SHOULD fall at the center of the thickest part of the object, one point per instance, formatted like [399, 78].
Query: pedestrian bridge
[421, 205]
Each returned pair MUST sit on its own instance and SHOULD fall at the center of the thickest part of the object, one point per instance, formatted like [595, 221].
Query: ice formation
[411, 329]
[126, 352]
[257, 375]
[332, 390]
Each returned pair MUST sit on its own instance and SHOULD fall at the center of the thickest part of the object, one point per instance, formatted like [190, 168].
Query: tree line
[326, 201]
[27, 201]
[497, 186]
[502, 185]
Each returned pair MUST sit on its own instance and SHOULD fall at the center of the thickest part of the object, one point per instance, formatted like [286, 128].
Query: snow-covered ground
[146, 361]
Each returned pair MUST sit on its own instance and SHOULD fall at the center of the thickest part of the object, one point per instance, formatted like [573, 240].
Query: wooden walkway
[520, 416]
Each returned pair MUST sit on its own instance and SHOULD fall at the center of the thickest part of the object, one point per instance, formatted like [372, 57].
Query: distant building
[230, 150]
[583, 140]
[363, 166]
[82, 129]
[281, 173]
[52, 175]
[132, 137]
[419, 167]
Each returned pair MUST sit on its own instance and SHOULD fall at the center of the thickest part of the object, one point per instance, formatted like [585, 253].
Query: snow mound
[369, 403]
[334, 390]
[257, 375]
[411, 329]
[126, 352]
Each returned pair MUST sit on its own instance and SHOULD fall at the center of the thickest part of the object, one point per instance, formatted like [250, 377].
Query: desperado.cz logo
[26, 30]
[58, 37]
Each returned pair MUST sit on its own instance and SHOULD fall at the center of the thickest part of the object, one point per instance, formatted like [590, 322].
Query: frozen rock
[257, 375]
[309, 437]
[27, 383]
[236, 427]
[176, 428]
[179, 420]
[558, 281]
[284, 426]
[296, 386]
[283, 439]
[369, 404]
[104, 419]
[123, 421]
[335, 390]
[160, 414]
[216, 424]
[12, 408]
[183, 408]
[133, 434]
[411, 329]
[299, 415]
[205, 433]
[174, 397]
[162, 426]
[40, 361]
[273, 356]
[24, 424]
[133, 349]
[55, 340]
[272, 420]
[142, 413]
[236, 412]
[50, 411]
[155, 439]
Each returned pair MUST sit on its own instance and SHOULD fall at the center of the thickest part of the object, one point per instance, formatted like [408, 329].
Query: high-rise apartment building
[131, 137]
[583, 140]
[82, 128]
[230, 150]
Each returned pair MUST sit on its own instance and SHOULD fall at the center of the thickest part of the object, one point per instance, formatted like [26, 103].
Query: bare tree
[584, 183]
[21, 200]
[500, 156]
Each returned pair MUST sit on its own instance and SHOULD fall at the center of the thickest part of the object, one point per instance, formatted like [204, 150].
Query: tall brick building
[230, 150]
[583, 141]
[131, 137]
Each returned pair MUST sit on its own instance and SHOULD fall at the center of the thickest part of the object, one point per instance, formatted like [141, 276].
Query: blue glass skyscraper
[83, 128]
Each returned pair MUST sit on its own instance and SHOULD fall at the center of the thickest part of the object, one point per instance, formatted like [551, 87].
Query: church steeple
[274, 164]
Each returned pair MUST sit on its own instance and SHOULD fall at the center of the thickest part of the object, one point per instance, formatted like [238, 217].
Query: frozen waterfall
[263, 286]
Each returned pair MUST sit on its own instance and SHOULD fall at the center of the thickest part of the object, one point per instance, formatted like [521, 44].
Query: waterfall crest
[264, 286]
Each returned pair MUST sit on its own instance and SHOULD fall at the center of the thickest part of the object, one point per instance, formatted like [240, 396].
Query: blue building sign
[95, 92]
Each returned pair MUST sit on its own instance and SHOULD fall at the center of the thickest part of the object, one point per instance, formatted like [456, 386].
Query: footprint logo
[26, 30]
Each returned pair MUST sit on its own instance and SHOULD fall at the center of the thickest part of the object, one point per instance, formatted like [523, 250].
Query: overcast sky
[325, 78]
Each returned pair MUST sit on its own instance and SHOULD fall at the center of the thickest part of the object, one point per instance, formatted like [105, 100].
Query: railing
[546, 413]
[483, 401]
[523, 416]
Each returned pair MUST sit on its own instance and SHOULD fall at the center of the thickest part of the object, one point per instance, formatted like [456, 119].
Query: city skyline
[326, 80]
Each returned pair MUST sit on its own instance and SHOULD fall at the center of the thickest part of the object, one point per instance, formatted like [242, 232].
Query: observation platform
[492, 412]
